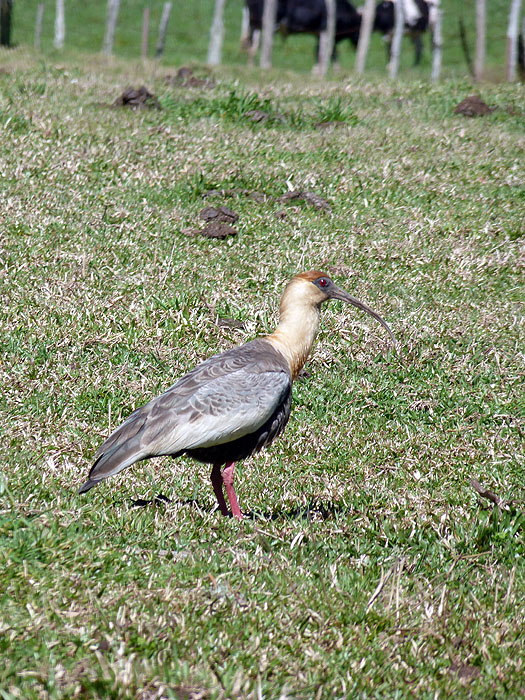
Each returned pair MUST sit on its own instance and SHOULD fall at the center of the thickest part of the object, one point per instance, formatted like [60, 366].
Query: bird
[233, 404]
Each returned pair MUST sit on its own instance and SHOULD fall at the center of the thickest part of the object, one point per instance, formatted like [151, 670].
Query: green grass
[371, 569]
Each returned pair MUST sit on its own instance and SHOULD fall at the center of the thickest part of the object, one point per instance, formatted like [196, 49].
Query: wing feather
[219, 411]
[225, 398]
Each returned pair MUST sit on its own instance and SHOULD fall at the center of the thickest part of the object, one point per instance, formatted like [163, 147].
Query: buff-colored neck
[298, 324]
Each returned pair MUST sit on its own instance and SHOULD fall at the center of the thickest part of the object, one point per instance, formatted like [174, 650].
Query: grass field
[370, 567]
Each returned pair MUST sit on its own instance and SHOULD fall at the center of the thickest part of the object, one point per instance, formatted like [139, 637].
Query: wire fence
[483, 37]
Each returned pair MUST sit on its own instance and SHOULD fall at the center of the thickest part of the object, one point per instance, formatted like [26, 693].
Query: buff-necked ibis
[233, 404]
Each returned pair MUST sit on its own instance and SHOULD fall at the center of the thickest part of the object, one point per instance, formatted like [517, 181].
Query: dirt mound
[184, 77]
[137, 98]
[219, 214]
[315, 200]
[218, 229]
[473, 106]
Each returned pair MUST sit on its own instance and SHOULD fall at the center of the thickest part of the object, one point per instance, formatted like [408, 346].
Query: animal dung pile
[218, 229]
[224, 214]
[213, 229]
[315, 200]
[218, 214]
[218, 223]
[473, 106]
[219, 219]
[184, 77]
[140, 98]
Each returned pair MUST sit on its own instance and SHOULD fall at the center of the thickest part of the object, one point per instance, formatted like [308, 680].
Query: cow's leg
[388, 43]
[418, 48]
[254, 46]
[335, 63]
[316, 70]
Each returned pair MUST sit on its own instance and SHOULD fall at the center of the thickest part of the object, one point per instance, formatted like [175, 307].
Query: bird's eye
[323, 282]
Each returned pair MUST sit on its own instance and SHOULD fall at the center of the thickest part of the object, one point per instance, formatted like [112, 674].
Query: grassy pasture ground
[371, 569]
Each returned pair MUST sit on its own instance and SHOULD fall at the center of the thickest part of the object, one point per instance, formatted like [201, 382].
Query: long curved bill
[338, 293]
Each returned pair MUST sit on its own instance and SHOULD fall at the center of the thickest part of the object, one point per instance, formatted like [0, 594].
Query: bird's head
[315, 287]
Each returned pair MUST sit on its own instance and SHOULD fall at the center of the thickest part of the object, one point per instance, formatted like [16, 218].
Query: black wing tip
[88, 485]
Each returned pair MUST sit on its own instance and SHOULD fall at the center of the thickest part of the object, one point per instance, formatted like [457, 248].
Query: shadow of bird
[233, 404]
[313, 510]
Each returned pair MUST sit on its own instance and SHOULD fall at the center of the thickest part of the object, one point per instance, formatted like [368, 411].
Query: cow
[310, 17]
[419, 15]
[255, 17]
[306, 17]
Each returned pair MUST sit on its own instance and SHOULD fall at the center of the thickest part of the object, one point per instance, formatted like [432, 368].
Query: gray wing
[220, 410]
[223, 399]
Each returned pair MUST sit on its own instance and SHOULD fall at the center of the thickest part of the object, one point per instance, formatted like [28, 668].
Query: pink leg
[227, 476]
[216, 480]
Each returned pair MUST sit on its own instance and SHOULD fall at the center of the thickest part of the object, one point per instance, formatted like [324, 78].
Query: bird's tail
[112, 457]
[88, 485]
[129, 443]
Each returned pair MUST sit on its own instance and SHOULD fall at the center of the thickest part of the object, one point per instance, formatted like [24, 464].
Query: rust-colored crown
[312, 275]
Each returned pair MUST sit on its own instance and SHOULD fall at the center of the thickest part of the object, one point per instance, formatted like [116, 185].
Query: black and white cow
[255, 13]
[251, 39]
[310, 17]
[306, 17]
[420, 15]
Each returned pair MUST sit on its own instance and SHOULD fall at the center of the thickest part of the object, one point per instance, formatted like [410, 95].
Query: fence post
[38, 24]
[512, 40]
[437, 43]
[163, 26]
[367, 23]
[245, 27]
[268, 28]
[216, 34]
[111, 24]
[145, 32]
[326, 39]
[481, 33]
[395, 48]
[60, 25]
